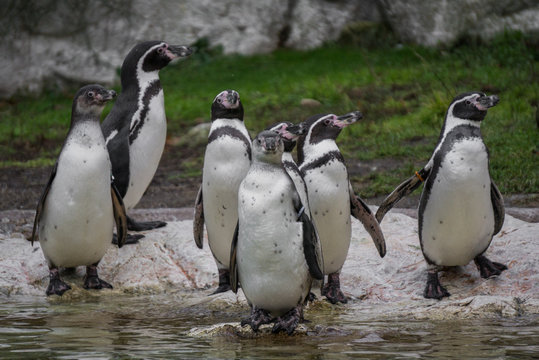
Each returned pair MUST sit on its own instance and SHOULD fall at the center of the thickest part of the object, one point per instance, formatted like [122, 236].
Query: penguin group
[276, 224]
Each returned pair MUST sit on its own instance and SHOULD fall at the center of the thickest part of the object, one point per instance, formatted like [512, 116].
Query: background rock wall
[74, 42]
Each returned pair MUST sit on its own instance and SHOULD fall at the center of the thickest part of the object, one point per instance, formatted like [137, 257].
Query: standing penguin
[226, 162]
[274, 251]
[75, 214]
[135, 129]
[331, 197]
[461, 208]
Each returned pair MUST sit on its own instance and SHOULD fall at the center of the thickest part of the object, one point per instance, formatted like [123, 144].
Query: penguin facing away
[75, 214]
[273, 253]
[460, 209]
[135, 129]
[226, 162]
[331, 196]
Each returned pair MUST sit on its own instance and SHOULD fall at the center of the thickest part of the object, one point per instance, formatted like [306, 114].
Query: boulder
[168, 261]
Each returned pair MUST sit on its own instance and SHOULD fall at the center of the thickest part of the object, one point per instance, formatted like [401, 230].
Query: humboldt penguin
[135, 129]
[76, 213]
[226, 162]
[331, 196]
[460, 209]
[274, 254]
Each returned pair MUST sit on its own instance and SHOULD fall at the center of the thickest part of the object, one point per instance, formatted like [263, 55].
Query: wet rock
[168, 261]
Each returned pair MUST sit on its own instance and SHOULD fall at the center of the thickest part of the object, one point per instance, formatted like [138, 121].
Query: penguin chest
[77, 222]
[458, 219]
[226, 163]
[329, 200]
[147, 141]
[272, 269]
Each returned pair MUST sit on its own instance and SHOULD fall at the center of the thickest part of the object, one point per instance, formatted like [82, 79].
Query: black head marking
[227, 105]
[288, 132]
[472, 105]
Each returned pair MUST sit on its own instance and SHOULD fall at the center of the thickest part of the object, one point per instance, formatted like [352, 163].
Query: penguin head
[91, 99]
[472, 106]
[150, 56]
[268, 147]
[288, 132]
[227, 105]
[328, 126]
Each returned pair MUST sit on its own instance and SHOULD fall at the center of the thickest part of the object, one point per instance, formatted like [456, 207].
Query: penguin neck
[267, 162]
[287, 156]
[85, 130]
[315, 151]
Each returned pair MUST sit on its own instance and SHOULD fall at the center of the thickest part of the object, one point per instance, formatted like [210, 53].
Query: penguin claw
[258, 317]
[57, 287]
[433, 289]
[488, 268]
[289, 321]
[93, 282]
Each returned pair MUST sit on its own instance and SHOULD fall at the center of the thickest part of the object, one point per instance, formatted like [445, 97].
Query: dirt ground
[172, 186]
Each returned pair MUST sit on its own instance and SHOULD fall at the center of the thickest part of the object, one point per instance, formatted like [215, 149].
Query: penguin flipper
[361, 211]
[41, 202]
[311, 247]
[299, 183]
[498, 207]
[198, 221]
[404, 189]
[120, 215]
[118, 148]
[233, 266]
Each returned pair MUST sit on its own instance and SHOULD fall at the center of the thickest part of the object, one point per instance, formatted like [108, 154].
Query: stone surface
[167, 260]
[445, 21]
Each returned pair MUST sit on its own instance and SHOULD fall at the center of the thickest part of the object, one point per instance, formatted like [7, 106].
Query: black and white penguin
[331, 196]
[76, 213]
[226, 162]
[135, 129]
[461, 208]
[274, 251]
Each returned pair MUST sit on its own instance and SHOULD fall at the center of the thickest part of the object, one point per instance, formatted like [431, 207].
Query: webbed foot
[433, 289]
[92, 280]
[143, 225]
[258, 317]
[224, 282]
[130, 240]
[488, 268]
[289, 321]
[332, 290]
[56, 285]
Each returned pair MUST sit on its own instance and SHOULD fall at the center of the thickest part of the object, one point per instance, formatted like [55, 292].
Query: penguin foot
[311, 297]
[258, 317]
[56, 285]
[332, 290]
[289, 321]
[224, 282]
[488, 268]
[131, 239]
[143, 225]
[433, 289]
[92, 281]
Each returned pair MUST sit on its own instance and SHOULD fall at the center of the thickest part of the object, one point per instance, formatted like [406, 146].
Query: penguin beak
[232, 97]
[175, 51]
[270, 144]
[348, 119]
[483, 103]
[298, 129]
[111, 94]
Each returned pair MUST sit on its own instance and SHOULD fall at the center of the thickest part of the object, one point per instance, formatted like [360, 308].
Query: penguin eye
[327, 122]
[161, 50]
[468, 102]
[219, 100]
[90, 94]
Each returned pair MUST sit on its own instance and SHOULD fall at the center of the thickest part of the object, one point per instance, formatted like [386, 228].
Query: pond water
[160, 326]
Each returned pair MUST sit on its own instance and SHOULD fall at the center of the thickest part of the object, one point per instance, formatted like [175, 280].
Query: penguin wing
[299, 182]
[311, 243]
[498, 207]
[118, 147]
[233, 266]
[120, 216]
[401, 191]
[198, 221]
[361, 211]
[41, 202]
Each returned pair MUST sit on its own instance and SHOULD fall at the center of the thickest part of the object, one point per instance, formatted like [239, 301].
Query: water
[159, 326]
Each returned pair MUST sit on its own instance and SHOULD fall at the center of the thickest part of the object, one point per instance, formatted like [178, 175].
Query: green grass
[403, 92]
